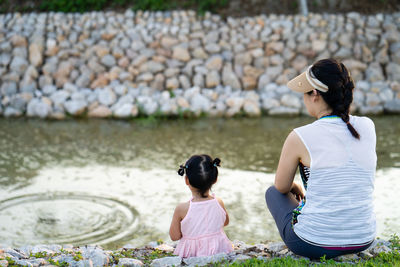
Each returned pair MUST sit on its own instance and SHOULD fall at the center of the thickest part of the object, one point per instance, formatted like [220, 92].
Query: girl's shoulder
[220, 202]
[182, 209]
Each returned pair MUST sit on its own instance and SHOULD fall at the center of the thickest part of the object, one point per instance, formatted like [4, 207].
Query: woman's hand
[297, 191]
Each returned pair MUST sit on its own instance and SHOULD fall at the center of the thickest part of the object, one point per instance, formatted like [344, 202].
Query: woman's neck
[323, 113]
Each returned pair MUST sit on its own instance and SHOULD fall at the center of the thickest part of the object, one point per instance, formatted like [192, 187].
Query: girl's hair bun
[181, 170]
[216, 162]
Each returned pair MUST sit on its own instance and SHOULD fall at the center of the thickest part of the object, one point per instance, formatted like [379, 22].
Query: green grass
[383, 259]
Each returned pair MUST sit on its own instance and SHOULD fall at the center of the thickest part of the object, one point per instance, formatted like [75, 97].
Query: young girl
[198, 224]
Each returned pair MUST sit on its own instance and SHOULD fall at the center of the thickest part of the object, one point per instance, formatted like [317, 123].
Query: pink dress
[202, 230]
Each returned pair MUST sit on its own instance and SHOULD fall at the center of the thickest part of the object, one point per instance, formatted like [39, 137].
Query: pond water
[114, 182]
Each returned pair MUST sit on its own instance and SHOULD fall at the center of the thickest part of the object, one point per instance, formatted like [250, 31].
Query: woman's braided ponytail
[340, 94]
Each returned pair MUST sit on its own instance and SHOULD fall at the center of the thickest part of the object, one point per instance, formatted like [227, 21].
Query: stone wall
[107, 64]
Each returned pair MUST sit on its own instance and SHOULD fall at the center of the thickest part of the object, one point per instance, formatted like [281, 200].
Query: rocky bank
[123, 65]
[157, 255]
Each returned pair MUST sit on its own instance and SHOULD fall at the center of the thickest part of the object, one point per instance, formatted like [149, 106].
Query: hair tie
[216, 162]
[181, 170]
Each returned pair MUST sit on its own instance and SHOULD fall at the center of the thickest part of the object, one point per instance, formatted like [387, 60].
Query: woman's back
[339, 208]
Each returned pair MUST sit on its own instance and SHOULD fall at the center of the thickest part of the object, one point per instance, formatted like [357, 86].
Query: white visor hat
[306, 82]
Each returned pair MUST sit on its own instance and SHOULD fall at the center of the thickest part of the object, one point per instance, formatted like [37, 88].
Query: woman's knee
[269, 193]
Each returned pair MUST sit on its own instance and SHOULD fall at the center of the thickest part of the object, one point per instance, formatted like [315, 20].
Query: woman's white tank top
[339, 206]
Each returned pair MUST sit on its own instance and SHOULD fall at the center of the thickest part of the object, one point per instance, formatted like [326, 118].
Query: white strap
[317, 84]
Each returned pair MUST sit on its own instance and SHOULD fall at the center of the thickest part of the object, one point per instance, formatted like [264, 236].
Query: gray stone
[375, 110]
[276, 246]
[240, 258]
[212, 48]
[166, 261]
[19, 101]
[348, 257]
[37, 108]
[372, 100]
[12, 112]
[152, 67]
[229, 78]
[184, 81]
[283, 111]
[96, 255]
[393, 71]
[290, 100]
[386, 95]
[75, 107]
[363, 85]
[5, 59]
[374, 72]
[181, 54]
[49, 89]
[269, 103]
[251, 107]
[125, 110]
[59, 97]
[83, 80]
[198, 80]
[19, 65]
[23, 263]
[212, 79]
[214, 63]
[148, 105]
[108, 60]
[127, 262]
[199, 103]
[8, 88]
[83, 263]
[106, 97]
[392, 106]
[203, 261]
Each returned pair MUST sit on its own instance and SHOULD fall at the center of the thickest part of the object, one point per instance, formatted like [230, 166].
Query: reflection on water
[131, 165]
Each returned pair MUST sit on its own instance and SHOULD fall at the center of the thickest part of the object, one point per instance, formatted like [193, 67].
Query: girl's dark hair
[340, 94]
[201, 171]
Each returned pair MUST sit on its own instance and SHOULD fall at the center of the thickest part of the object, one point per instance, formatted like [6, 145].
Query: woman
[337, 160]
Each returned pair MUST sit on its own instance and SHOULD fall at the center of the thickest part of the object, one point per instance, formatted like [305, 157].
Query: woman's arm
[223, 206]
[175, 228]
[293, 151]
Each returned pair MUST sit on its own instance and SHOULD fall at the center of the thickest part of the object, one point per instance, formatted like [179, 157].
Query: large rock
[214, 63]
[181, 54]
[125, 110]
[100, 112]
[127, 262]
[166, 261]
[392, 106]
[75, 107]
[106, 97]
[199, 103]
[290, 100]
[38, 108]
[19, 65]
[393, 71]
[212, 79]
[97, 256]
[35, 54]
[8, 88]
[204, 261]
[229, 77]
[108, 60]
